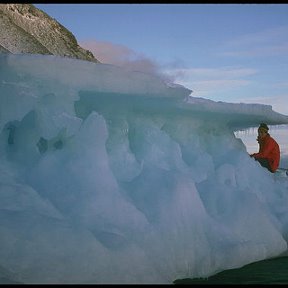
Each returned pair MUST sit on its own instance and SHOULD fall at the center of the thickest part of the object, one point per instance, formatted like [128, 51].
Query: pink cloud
[119, 55]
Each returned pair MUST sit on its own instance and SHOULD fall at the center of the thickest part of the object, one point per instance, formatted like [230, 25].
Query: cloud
[208, 88]
[119, 55]
[212, 73]
[281, 84]
[206, 81]
[270, 42]
[270, 50]
[276, 34]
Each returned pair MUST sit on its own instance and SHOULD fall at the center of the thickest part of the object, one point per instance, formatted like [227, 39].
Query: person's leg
[264, 163]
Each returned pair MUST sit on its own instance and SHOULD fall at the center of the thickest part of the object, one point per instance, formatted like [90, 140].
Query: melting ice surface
[109, 176]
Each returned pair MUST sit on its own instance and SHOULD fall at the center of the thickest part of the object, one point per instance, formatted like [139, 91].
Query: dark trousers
[264, 163]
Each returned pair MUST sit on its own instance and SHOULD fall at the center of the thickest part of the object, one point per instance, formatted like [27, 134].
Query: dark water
[270, 271]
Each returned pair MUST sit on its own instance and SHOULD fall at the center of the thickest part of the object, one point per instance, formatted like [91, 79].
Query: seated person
[269, 152]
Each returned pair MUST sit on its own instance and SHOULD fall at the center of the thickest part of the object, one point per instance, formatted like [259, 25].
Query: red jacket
[269, 149]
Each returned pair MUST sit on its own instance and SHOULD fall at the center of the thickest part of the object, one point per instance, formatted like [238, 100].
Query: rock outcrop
[27, 29]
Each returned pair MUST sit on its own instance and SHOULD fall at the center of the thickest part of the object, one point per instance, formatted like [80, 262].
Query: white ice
[109, 176]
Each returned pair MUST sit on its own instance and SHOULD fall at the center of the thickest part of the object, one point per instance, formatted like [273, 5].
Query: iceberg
[109, 176]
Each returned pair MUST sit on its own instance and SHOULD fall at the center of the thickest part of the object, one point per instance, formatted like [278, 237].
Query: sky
[224, 52]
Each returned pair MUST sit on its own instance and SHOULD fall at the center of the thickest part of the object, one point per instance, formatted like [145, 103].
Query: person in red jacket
[269, 152]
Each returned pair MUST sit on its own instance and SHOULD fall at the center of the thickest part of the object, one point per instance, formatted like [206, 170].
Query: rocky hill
[27, 29]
